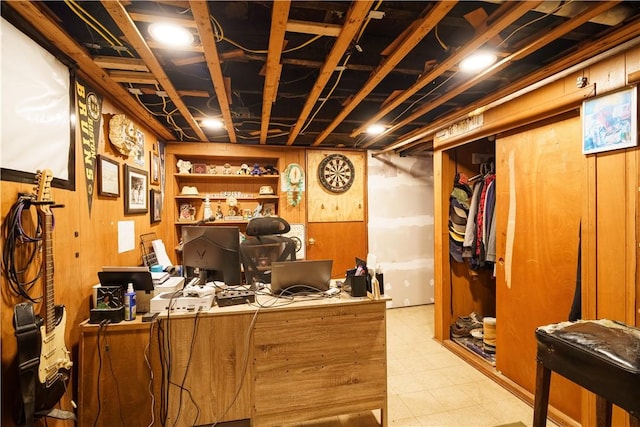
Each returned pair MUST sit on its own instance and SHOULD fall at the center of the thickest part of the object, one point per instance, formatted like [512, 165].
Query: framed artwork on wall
[155, 167]
[156, 205]
[108, 177]
[609, 121]
[135, 190]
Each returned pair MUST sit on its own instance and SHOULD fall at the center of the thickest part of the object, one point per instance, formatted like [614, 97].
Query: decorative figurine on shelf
[270, 170]
[219, 214]
[256, 171]
[257, 211]
[232, 202]
[227, 169]
[184, 166]
[212, 170]
[244, 169]
[208, 213]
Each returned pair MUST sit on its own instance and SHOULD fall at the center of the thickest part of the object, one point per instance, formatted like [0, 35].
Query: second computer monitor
[214, 251]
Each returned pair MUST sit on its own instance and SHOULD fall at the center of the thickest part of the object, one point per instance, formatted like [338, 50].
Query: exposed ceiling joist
[410, 40]
[121, 17]
[200, 11]
[279, 16]
[353, 23]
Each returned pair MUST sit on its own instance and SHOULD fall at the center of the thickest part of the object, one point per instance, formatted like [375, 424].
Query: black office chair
[265, 245]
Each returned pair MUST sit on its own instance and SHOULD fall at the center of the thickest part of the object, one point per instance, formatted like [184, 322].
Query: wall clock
[336, 173]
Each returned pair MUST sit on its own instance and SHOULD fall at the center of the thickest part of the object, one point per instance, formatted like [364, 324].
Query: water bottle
[130, 303]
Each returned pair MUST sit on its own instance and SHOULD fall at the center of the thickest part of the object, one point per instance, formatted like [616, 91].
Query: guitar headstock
[43, 188]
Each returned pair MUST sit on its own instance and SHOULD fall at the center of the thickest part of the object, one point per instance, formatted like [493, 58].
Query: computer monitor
[214, 251]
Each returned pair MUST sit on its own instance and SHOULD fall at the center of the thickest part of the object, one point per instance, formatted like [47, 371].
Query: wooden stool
[599, 355]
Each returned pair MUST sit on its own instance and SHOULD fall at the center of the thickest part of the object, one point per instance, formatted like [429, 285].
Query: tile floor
[430, 386]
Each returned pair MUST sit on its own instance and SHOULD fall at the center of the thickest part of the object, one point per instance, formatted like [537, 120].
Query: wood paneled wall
[83, 242]
[604, 190]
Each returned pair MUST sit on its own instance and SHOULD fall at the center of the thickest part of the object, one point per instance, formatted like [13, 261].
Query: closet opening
[472, 247]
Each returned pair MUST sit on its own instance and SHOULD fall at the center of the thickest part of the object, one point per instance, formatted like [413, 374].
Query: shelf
[225, 177]
[222, 198]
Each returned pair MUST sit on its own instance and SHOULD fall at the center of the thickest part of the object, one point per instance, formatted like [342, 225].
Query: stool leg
[603, 412]
[541, 400]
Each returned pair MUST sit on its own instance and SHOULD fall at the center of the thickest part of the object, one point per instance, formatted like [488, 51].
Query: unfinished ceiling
[316, 73]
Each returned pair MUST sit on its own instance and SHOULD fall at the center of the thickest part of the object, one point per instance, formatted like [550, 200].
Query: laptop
[289, 277]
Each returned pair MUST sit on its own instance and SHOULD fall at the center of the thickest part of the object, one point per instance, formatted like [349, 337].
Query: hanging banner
[89, 109]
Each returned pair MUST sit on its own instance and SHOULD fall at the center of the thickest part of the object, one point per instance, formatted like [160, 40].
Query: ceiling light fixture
[478, 61]
[170, 34]
[212, 124]
[375, 129]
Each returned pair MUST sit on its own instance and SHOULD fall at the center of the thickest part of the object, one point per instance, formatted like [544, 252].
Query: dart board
[336, 173]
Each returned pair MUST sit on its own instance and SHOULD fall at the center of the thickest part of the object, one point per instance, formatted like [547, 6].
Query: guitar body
[55, 363]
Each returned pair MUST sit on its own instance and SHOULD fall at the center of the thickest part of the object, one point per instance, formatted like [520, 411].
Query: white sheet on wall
[36, 129]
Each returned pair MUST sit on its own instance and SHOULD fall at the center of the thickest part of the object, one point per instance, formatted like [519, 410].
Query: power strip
[228, 298]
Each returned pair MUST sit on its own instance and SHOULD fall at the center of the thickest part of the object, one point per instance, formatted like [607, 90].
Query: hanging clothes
[458, 215]
[479, 240]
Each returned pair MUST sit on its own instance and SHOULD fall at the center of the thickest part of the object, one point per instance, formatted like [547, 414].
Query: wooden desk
[291, 363]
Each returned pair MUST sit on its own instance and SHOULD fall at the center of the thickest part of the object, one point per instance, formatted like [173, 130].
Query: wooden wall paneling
[539, 195]
[636, 194]
[337, 223]
[82, 244]
[324, 206]
[632, 224]
[441, 270]
[611, 235]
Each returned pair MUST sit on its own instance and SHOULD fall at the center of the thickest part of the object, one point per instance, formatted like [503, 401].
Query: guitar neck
[47, 249]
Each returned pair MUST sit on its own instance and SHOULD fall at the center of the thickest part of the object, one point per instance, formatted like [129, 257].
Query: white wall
[400, 191]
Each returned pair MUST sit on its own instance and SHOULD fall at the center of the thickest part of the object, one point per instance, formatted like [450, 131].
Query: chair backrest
[264, 246]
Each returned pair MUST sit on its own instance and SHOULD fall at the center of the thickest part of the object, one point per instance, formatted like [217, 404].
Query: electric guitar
[54, 363]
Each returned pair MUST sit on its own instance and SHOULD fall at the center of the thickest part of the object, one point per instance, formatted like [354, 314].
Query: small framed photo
[154, 167]
[269, 209]
[108, 177]
[135, 190]
[609, 122]
[199, 168]
[156, 205]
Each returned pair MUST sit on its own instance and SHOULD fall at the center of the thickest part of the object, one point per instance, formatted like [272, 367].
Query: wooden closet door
[538, 205]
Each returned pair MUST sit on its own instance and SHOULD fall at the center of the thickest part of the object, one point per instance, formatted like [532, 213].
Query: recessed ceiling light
[375, 129]
[478, 61]
[212, 123]
[170, 34]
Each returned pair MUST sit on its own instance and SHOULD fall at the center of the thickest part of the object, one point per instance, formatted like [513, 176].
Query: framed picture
[269, 209]
[135, 190]
[156, 205]
[155, 167]
[609, 122]
[199, 168]
[108, 177]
